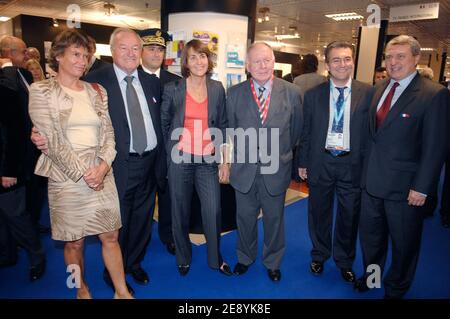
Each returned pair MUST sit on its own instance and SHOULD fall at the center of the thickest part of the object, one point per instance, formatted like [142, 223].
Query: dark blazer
[108, 79]
[23, 155]
[408, 150]
[316, 108]
[174, 106]
[98, 64]
[167, 77]
[285, 114]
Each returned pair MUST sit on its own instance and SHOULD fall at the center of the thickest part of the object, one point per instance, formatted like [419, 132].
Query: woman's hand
[95, 175]
[224, 173]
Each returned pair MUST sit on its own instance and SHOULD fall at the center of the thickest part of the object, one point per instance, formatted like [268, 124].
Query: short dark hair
[309, 63]
[337, 45]
[199, 47]
[64, 40]
[380, 69]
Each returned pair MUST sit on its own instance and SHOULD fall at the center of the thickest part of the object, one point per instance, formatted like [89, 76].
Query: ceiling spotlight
[55, 23]
[264, 14]
[345, 16]
[109, 9]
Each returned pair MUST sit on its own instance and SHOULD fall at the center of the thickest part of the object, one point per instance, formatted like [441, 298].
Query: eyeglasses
[262, 62]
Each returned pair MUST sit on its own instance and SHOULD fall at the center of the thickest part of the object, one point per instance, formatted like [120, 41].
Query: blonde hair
[33, 62]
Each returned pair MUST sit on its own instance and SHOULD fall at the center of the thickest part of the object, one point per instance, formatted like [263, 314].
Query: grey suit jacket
[173, 109]
[317, 113]
[285, 114]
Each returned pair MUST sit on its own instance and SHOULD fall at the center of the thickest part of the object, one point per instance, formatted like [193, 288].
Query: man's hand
[95, 175]
[416, 198]
[302, 173]
[39, 141]
[4, 60]
[224, 173]
[7, 182]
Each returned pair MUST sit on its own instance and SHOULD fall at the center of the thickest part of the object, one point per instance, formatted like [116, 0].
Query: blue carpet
[432, 277]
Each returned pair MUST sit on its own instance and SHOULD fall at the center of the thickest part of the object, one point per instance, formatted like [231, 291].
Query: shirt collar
[157, 73]
[347, 85]
[122, 74]
[266, 85]
[405, 81]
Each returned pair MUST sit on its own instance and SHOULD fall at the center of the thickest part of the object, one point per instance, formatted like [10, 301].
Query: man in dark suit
[153, 53]
[261, 170]
[138, 144]
[94, 63]
[406, 149]
[17, 160]
[330, 156]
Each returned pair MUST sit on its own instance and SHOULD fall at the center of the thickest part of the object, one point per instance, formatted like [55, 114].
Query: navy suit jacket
[107, 78]
[316, 108]
[408, 150]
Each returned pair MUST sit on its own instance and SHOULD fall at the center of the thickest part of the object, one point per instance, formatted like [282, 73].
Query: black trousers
[182, 178]
[36, 196]
[381, 219]
[165, 215]
[16, 228]
[136, 208]
[335, 178]
[445, 196]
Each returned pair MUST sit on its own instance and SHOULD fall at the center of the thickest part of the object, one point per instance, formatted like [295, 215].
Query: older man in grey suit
[265, 113]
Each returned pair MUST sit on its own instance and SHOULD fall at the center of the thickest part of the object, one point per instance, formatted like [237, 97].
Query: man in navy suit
[153, 53]
[20, 196]
[406, 149]
[134, 166]
[330, 156]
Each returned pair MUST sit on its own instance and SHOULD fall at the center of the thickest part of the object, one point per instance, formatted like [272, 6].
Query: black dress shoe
[110, 284]
[140, 276]
[171, 248]
[274, 275]
[37, 271]
[225, 269]
[445, 221]
[183, 269]
[316, 267]
[240, 269]
[348, 274]
[360, 285]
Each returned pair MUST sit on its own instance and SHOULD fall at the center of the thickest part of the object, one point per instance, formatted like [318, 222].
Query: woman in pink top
[191, 107]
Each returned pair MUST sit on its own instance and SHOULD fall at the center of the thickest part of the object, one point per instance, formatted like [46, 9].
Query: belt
[340, 155]
[146, 153]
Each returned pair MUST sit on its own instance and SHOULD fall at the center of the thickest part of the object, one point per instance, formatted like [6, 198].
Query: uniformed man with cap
[153, 53]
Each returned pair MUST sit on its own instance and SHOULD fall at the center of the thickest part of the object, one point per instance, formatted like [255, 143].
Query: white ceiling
[307, 16]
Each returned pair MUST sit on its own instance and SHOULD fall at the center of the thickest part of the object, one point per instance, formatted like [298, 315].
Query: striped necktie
[262, 106]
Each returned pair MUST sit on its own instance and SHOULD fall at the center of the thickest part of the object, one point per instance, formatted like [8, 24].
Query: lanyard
[264, 107]
[338, 115]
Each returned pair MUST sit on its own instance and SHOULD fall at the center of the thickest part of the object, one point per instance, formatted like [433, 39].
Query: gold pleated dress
[76, 210]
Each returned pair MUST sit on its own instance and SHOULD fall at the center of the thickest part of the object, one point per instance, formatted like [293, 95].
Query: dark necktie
[338, 126]
[136, 118]
[386, 106]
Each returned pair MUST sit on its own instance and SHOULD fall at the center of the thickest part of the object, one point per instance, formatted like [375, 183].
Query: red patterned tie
[386, 106]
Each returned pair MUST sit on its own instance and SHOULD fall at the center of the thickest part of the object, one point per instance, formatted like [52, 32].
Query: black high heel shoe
[183, 269]
[225, 269]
